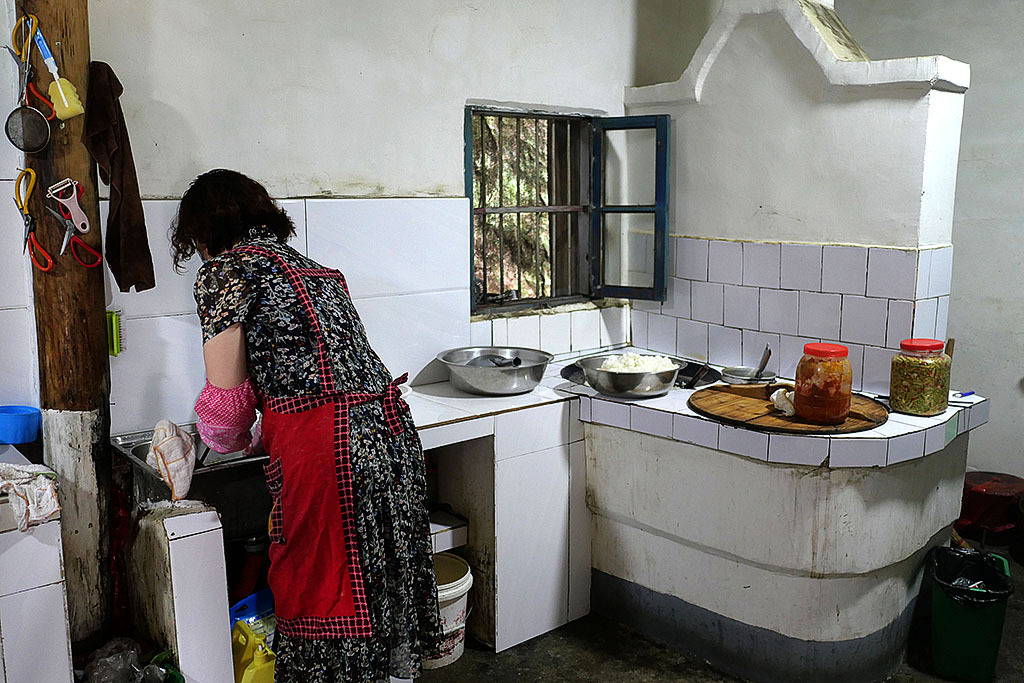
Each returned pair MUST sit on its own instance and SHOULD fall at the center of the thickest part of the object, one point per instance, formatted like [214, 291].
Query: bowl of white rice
[630, 375]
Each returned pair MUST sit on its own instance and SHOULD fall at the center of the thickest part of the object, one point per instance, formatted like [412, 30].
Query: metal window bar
[556, 155]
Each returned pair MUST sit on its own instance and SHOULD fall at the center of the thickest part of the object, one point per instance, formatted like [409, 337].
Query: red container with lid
[824, 384]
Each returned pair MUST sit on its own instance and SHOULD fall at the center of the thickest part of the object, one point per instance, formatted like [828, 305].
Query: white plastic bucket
[453, 583]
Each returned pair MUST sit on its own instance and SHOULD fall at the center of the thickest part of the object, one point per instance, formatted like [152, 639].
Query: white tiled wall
[745, 294]
[19, 376]
[406, 263]
[565, 334]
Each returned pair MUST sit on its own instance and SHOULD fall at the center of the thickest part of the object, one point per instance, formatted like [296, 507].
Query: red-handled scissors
[21, 199]
[75, 241]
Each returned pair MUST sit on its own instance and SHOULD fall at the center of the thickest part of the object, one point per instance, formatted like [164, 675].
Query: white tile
[585, 411]
[791, 350]
[844, 269]
[677, 301]
[935, 439]
[14, 265]
[586, 330]
[348, 233]
[158, 375]
[614, 325]
[436, 320]
[648, 421]
[707, 302]
[942, 317]
[181, 526]
[524, 331]
[580, 525]
[863, 320]
[555, 333]
[173, 291]
[695, 430]
[906, 447]
[753, 347]
[819, 315]
[743, 442]
[725, 345]
[455, 432]
[535, 429]
[531, 521]
[480, 333]
[692, 258]
[35, 635]
[978, 414]
[661, 333]
[941, 274]
[725, 262]
[761, 264]
[780, 311]
[499, 331]
[892, 273]
[33, 558]
[801, 267]
[638, 328]
[296, 210]
[797, 450]
[646, 305]
[925, 315]
[692, 339]
[575, 424]
[427, 414]
[741, 306]
[19, 379]
[612, 413]
[900, 323]
[200, 599]
[877, 365]
[924, 271]
[857, 452]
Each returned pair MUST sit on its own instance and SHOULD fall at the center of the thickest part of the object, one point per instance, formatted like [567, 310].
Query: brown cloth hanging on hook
[106, 138]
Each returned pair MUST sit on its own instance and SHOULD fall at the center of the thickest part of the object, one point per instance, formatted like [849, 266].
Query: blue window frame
[629, 206]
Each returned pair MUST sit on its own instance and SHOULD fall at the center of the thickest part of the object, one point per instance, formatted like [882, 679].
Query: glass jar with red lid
[824, 384]
[919, 379]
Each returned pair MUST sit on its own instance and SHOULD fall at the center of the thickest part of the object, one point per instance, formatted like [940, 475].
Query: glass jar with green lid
[919, 381]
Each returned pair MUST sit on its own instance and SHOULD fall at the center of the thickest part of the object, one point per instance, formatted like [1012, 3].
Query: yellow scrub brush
[63, 94]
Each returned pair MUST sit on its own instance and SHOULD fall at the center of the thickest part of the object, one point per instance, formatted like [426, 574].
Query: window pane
[628, 242]
[629, 167]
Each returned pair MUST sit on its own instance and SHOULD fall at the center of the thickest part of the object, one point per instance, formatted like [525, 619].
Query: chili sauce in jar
[919, 380]
[824, 384]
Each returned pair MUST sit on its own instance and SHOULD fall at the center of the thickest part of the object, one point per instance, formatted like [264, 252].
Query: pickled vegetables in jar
[824, 384]
[919, 380]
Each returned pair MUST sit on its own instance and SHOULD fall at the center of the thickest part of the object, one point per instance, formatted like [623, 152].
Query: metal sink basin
[232, 483]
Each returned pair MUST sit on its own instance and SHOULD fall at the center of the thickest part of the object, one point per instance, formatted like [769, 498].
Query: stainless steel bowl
[626, 384]
[744, 374]
[495, 380]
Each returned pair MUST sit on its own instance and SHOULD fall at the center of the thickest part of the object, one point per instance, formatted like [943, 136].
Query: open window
[629, 206]
[566, 208]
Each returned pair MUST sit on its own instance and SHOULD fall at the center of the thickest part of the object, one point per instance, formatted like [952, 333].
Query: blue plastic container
[19, 424]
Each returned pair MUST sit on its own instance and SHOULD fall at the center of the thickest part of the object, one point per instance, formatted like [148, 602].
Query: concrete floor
[596, 649]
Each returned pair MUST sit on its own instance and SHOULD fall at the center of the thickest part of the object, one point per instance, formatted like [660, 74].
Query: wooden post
[74, 372]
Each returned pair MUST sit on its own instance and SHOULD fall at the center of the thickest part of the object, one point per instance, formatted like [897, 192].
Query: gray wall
[986, 313]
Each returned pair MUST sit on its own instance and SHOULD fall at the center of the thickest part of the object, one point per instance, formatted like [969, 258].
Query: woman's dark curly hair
[217, 211]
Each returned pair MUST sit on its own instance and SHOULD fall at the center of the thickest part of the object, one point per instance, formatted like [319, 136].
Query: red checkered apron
[315, 573]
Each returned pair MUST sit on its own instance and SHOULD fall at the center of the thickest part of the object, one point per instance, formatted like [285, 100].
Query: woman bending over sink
[351, 567]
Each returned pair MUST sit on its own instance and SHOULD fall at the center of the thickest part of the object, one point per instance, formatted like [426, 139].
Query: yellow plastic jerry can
[253, 660]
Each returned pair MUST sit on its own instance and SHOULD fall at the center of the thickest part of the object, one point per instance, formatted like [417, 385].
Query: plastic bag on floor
[115, 662]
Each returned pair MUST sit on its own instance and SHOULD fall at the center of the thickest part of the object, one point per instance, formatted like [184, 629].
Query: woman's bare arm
[224, 356]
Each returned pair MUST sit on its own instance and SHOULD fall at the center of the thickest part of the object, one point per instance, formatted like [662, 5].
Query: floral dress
[307, 353]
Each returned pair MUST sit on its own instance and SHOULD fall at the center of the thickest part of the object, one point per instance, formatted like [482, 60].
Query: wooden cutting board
[749, 406]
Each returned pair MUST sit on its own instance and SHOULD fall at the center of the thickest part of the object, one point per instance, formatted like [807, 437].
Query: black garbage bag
[969, 577]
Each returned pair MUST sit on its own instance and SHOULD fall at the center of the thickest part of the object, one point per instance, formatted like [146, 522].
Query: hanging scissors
[22, 35]
[31, 88]
[75, 241]
[21, 200]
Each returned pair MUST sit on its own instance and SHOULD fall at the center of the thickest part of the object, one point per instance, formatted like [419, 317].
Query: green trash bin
[969, 594]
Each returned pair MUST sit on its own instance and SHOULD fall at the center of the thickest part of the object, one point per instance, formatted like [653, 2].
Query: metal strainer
[27, 129]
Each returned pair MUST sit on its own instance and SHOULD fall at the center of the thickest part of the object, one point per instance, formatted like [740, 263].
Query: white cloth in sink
[173, 455]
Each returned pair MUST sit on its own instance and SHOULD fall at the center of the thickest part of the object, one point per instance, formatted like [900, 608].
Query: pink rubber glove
[226, 416]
